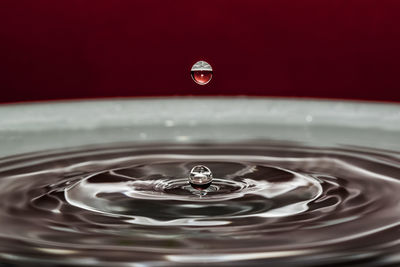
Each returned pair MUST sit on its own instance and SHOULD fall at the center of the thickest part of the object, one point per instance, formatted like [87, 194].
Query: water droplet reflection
[201, 72]
[200, 177]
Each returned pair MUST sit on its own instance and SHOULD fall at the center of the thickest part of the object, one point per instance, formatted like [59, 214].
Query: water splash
[267, 204]
[200, 177]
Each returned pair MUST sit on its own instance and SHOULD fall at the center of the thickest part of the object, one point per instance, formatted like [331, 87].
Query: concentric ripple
[268, 204]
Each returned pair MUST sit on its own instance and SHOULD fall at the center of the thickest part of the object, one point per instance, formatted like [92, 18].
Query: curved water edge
[26, 128]
[268, 203]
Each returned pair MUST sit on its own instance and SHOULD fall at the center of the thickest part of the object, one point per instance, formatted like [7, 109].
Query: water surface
[269, 203]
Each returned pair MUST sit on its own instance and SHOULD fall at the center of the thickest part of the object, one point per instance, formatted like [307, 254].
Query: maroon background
[74, 48]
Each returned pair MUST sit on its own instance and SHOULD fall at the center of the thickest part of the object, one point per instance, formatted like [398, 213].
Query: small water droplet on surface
[200, 177]
[201, 72]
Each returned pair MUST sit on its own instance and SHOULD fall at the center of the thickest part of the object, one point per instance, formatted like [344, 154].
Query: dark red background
[310, 48]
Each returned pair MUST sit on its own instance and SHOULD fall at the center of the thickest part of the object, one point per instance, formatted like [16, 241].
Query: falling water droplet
[200, 177]
[201, 72]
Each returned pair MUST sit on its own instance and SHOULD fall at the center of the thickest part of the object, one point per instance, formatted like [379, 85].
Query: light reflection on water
[268, 204]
